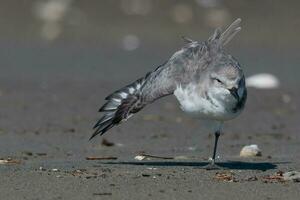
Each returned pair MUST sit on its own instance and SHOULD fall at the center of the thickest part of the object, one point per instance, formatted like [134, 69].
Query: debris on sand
[281, 177]
[101, 158]
[152, 168]
[250, 151]
[192, 148]
[107, 143]
[291, 176]
[276, 178]
[252, 178]
[27, 153]
[143, 156]
[41, 154]
[139, 157]
[146, 175]
[42, 168]
[78, 172]
[9, 161]
[225, 176]
[103, 194]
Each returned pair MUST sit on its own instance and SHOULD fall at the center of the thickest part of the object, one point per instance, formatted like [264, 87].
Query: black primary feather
[120, 106]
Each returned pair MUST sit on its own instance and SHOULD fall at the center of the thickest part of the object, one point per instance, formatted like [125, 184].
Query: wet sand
[47, 126]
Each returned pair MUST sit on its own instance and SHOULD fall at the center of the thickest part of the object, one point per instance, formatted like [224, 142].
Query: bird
[208, 83]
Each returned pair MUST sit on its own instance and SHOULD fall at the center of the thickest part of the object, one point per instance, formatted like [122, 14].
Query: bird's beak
[234, 92]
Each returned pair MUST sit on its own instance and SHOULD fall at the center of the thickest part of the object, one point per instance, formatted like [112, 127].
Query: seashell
[250, 151]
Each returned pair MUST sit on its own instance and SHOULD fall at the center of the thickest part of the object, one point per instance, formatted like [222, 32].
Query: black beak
[234, 93]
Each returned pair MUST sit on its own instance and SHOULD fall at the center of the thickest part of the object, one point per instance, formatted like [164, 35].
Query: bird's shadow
[234, 165]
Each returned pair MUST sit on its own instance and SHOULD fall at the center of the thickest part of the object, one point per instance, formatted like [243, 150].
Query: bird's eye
[218, 80]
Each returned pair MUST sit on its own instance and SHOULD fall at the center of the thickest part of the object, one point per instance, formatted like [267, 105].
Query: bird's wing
[161, 82]
[180, 69]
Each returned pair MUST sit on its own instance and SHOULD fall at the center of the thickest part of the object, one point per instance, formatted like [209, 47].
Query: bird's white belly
[199, 106]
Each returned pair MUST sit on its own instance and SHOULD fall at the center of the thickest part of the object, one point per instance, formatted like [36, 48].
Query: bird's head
[227, 77]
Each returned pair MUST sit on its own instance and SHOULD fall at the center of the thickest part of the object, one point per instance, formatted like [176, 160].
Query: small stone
[42, 169]
[146, 175]
[250, 151]
[192, 148]
[152, 168]
[140, 157]
[28, 153]
[107, 143]
[181, 158]
[291, 176]
[252, 178]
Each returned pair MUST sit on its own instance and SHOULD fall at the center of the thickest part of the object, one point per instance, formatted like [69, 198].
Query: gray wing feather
[230, 32]
[178, 70]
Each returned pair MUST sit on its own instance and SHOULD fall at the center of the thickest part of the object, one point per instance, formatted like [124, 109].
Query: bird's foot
[212, 165]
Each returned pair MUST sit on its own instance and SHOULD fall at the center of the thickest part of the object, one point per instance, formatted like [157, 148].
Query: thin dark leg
[217, 135]
[212, 165]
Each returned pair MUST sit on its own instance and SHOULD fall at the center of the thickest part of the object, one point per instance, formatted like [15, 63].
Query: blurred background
[122, 39]
[60, 58]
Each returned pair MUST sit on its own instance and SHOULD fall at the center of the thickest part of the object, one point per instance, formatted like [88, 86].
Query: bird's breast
[215, 105]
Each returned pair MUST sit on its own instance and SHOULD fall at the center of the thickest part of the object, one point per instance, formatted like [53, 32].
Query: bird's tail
[120, 106]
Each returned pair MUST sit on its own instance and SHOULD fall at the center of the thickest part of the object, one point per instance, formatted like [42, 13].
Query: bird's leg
[217, 135]
[212, 160]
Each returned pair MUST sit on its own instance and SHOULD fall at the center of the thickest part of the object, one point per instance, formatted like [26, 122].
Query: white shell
[291, 176]
[250, 151]
[140, 157]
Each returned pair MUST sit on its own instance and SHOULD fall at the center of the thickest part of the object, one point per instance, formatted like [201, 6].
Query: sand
[46, 130]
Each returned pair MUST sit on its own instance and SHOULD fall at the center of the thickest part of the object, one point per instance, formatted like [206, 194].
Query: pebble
[250, 151]
[140, 157]
[291, 176]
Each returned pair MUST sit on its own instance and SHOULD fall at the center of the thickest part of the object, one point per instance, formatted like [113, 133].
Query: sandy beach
[51, 89]
[48, 137]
